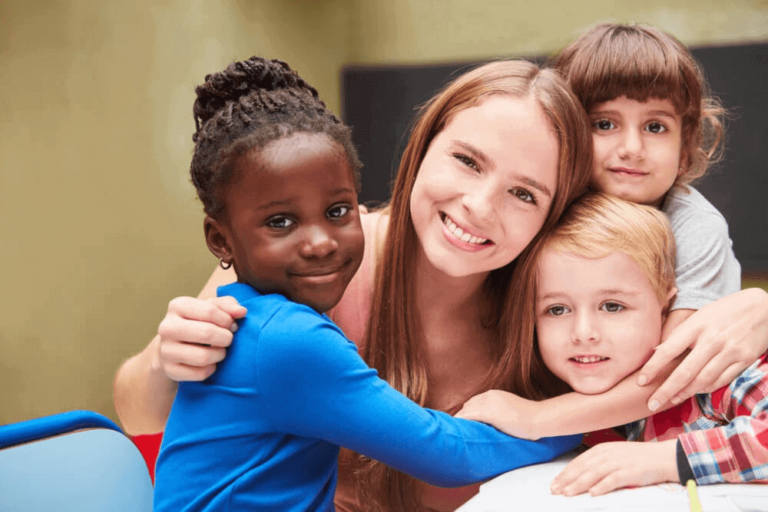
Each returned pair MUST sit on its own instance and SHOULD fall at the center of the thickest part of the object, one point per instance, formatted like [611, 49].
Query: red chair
[149, 446]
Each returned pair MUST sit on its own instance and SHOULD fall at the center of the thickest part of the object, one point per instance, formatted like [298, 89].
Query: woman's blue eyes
[519, 193]
[466, 160]
[523, 195]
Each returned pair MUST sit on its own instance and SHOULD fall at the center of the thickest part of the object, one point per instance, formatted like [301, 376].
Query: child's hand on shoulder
[507, 412]
[610, 466]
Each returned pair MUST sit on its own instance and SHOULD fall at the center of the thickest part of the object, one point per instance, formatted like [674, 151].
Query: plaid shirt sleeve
[735, 452]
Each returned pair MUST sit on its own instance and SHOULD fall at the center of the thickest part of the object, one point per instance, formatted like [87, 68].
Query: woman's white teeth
[460, 234]
[589, 359]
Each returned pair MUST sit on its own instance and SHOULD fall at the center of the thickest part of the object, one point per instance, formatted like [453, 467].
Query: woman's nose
[480, 200]
[317, 243]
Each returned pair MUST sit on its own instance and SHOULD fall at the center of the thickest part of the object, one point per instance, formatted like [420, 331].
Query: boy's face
[292, 222]
[597, 320]
[637, 148]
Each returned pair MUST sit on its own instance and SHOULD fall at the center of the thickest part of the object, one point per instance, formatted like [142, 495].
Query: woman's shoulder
[375, 225]
[351, 313]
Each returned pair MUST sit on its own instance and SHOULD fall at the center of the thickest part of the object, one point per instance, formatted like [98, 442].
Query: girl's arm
[315, 385]
[192, 339]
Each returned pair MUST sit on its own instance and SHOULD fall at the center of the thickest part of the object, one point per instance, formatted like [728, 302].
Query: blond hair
[599, 224]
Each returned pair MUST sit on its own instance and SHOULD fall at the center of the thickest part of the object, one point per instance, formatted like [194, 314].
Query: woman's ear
[218, 239]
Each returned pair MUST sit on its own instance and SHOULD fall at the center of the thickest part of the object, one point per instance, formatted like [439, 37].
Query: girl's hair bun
[241, 79]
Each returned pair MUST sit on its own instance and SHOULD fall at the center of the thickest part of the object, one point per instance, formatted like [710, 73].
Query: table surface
[528, 489]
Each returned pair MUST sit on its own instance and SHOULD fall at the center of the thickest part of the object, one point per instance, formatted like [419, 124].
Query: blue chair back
[78, 460]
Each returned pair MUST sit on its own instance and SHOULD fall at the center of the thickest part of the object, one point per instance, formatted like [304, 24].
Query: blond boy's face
[597, 320]
[637, 148]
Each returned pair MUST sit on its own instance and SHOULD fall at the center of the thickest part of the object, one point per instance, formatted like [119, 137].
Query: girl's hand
[509, 413]
[725, 337]
[194, 335]
[610, 466]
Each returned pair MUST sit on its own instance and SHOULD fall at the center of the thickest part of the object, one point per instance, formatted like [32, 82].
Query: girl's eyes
[280, 222]
[611, 307]
[523, 195]
[338, 211]
[466, 160]
[656, 127]
[604, 124]
[557, 310]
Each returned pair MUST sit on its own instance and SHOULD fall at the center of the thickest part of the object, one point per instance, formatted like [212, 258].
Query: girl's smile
[292, 224]
[637, 148]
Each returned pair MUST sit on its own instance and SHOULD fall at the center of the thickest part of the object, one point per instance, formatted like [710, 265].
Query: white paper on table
[527, 489]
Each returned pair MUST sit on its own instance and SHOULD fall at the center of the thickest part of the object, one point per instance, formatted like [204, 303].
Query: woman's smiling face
[485, 186]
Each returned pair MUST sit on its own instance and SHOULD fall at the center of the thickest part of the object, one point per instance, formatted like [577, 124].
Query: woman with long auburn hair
[492, 162]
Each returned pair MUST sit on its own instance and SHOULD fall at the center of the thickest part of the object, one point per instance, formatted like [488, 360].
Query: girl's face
[292, 223]
[597, 319]
[485, 186]
[637, 148]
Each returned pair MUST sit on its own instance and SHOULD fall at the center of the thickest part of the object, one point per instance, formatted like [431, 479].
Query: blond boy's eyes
[612, 307]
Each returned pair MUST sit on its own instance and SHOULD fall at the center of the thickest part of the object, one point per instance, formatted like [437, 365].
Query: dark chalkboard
[380, 103]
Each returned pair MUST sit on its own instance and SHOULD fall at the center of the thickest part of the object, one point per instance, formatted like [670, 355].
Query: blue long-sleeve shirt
[263, 432]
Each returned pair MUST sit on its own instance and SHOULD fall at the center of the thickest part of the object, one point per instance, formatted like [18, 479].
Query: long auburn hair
[394, 343]
[642, 62]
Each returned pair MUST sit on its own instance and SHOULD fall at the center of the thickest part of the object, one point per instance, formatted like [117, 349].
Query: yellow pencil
[693, 496]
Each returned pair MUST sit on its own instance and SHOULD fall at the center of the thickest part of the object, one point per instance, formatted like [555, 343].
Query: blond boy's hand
[509, 413]
[610, 466]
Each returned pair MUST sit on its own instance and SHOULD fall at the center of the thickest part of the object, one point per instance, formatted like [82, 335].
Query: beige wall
[99, 223]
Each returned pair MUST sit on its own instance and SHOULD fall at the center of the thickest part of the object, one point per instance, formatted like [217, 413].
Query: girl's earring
[225, 265]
